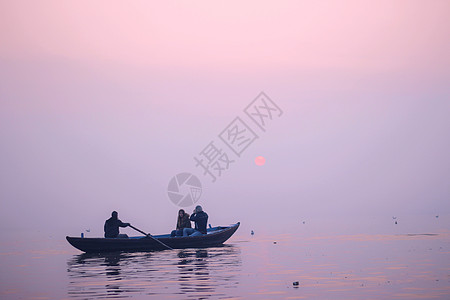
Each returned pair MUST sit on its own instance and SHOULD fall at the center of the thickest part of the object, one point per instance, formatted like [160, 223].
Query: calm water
[403, 265]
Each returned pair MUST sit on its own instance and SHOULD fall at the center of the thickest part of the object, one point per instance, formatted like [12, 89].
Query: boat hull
[215, 237]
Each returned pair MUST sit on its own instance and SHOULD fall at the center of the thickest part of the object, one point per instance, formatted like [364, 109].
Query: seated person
[112, 226]
[182, 222]
[201, 219]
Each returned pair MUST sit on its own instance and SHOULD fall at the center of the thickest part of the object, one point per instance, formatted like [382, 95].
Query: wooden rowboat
[216, 236]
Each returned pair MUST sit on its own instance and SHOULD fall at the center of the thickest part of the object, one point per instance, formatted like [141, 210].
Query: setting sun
[260, 161]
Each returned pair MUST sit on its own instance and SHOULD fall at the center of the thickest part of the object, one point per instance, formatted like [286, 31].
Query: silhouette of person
[201, 219]
[182, 222]
[112, 226]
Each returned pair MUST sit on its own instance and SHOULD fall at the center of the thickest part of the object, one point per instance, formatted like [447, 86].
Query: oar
[150, 236]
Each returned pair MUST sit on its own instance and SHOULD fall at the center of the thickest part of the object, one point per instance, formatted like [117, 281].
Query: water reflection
[194, 269]
[194, 273]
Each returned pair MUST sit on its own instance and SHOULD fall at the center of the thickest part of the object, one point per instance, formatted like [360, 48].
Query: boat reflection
[193, 272]
[198, 273]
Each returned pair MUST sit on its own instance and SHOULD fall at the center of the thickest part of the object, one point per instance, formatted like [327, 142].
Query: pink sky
[102, 103]
[354, 35]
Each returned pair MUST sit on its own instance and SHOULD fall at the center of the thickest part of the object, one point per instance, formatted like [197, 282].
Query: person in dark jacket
[112, 226]
[182, 222]
[201, 219]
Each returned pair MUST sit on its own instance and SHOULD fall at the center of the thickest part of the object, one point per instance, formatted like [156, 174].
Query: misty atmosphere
[102, 104]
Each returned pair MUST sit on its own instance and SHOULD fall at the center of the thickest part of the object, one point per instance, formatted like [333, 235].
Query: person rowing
[112, 226]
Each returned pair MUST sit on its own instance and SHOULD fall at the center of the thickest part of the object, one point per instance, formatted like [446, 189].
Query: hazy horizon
[102, 104]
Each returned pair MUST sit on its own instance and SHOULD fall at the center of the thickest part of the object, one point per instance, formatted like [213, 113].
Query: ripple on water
[195, 273]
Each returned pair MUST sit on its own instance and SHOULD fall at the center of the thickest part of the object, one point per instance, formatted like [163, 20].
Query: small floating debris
[437, 216]
[304, 222]
[396, 222]
[295, 283]
[274, 242]
[419, 234]
[252, 232]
